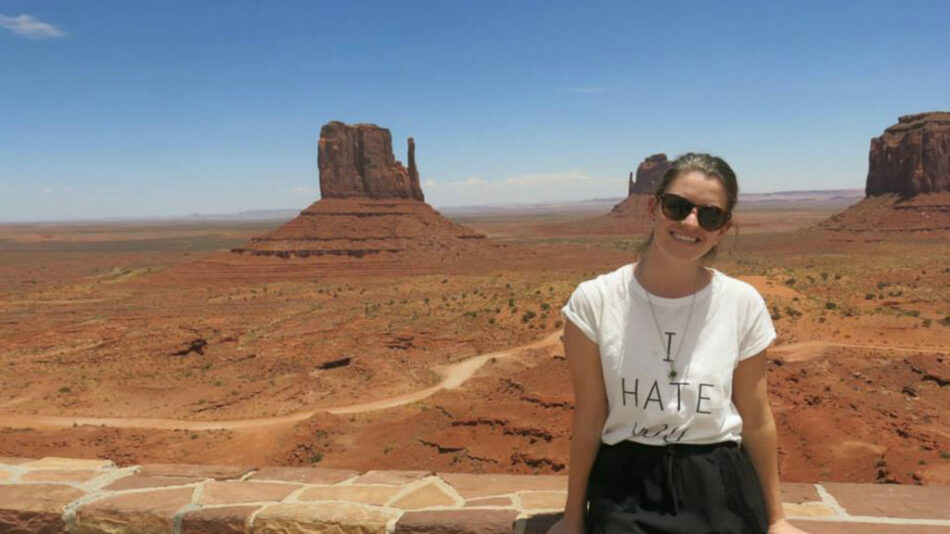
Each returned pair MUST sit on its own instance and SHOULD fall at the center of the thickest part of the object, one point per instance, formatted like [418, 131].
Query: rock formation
[908, 183]
[371, 206]
[649, 173]
[357, 161]
[911, 157]
[640, 187]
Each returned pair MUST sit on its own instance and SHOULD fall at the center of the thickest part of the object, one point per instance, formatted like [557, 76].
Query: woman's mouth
[683, 237]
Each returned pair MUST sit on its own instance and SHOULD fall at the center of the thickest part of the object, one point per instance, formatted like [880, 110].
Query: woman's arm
[590, 412]
[759, 439]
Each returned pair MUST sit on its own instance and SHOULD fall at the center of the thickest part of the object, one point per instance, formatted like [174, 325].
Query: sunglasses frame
[703, 213]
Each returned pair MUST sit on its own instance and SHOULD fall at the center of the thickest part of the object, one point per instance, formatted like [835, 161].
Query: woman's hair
[709, 165]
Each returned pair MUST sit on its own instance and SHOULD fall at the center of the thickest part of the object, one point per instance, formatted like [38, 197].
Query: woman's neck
[670, 279]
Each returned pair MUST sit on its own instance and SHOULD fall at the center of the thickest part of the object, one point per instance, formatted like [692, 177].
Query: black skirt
[674, 489]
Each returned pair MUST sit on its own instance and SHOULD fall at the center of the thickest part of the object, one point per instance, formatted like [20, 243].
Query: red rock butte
[371, 205]
[908, 183]
[639, 188]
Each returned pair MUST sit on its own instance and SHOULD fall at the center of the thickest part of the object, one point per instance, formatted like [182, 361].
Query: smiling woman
[672, 427]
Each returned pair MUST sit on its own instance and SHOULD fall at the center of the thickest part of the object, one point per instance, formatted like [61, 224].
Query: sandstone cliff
[372, 209]
[908, 183]
[649, 173]
[911, 157]
[357, 161]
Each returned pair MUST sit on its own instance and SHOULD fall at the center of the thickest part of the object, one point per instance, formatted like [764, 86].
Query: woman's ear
[651, 207]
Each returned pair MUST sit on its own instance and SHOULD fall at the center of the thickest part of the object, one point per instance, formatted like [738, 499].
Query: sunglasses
[677, 208]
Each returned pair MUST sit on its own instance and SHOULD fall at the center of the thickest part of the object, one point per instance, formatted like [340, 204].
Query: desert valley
[373, 332]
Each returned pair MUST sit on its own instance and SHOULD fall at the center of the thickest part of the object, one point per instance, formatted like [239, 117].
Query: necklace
[659, 331]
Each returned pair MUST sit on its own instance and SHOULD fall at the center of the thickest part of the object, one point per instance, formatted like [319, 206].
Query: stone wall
[57, 495]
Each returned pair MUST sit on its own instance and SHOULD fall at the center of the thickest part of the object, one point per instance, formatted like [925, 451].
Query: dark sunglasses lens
[711, 218]
[676, 208]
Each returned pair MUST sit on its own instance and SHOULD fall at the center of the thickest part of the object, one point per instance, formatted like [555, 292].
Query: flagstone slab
[53, 462]
[145, 512]
[426, 496]
[21, 522]
[15, 460]
[471, 486]
[808, 509]
[892, 500]
[391, 477]
[142, 482]
[225, 520]
[307, 475]
[543, 500]
[797, 493]
[489, 501]
[457, 522]
[314, 518]
[57, 475]
[37, 497]
[376, 495]
[35, 508]
[234, 492]
[217, 472]
[823, 527]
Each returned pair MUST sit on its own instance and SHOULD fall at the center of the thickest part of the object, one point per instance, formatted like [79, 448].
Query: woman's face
[686, 240]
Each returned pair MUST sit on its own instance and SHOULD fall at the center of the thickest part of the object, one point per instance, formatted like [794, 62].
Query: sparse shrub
[790, 282]
[945, 321]
[868, 296]
[926, 323]
[491, 320]
[64, 389]
[315, 457]
[824, 276]
[545, 306]
[527, 316]
[511, 303]
[881, 285]
[830, 305]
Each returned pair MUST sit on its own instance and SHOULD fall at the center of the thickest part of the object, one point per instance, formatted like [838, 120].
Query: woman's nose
[692, 218]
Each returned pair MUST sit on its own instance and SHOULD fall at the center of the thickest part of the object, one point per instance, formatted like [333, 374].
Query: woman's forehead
[700, 189]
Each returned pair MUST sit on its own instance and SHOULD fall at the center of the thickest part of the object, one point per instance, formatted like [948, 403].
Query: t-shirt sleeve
[583, 309]
[759, 332]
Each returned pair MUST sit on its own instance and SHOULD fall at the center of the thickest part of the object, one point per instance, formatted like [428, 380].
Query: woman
[669, 369]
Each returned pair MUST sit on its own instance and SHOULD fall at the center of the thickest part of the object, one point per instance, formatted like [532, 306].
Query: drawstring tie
[670, 468]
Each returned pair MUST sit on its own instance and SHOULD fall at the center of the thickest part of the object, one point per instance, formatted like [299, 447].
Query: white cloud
[47, 189]
[471, 181]
[524, 188]
[305, 190]
[28, 26]
[573, 176]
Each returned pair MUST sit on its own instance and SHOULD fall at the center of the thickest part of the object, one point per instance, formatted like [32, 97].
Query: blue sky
[148, 108]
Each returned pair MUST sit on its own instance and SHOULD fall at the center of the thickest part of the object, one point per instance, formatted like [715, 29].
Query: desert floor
[150, 342]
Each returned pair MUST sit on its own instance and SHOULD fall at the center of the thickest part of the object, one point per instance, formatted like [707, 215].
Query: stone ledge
[57, 495]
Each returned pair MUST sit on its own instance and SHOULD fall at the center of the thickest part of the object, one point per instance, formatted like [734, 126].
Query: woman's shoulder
[735, 288]
[612, 281]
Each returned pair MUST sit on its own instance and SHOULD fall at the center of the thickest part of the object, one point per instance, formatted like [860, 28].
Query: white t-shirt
[729, 322]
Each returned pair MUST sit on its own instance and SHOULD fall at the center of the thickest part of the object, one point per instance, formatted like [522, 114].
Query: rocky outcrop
[357, 161]
[372, 210]
[908, 184]
[639, 188]
[649, 173]
[911, 157]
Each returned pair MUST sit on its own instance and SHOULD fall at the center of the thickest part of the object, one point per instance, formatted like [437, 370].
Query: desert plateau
[373, 332]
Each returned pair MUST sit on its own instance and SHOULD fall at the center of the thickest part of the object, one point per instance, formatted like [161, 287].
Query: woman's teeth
[681, 237]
